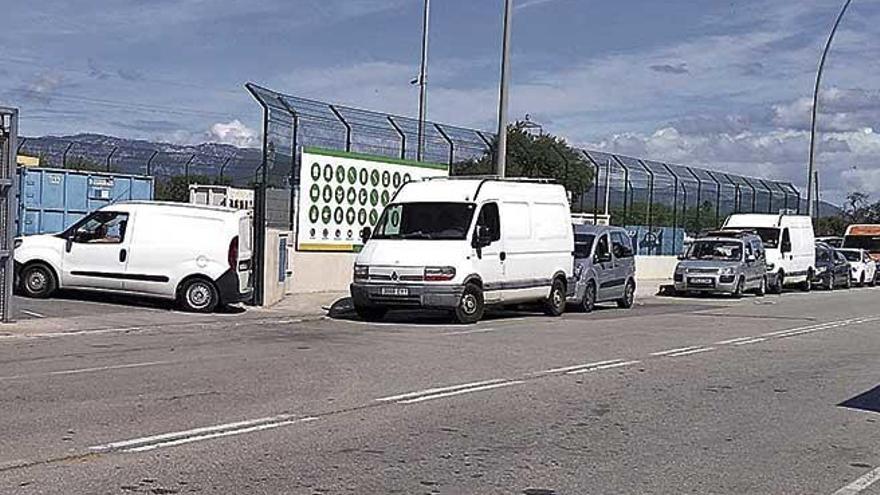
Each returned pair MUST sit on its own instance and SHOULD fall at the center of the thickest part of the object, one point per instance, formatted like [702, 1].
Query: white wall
[273, 289]
[655, 267]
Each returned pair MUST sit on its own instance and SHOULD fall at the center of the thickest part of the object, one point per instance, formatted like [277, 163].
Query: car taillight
[233, 253]
[439, 273]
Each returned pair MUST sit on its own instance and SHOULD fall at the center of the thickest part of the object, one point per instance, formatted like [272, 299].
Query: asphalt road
[763, 395]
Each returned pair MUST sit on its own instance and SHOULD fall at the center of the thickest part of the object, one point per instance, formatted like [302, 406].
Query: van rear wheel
[629, 296]
[554, 305]
[470, 306]
[198, 295]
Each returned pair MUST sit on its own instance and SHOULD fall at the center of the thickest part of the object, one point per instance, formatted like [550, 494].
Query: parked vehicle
[790, 246]
[832, 269]
[863, 268]
[198, 255]
[604, 267]
[863, 236]
[723, 262]
[464, 244]
[832, 241]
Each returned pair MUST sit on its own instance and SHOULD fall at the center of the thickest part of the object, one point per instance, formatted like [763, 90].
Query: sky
[721, 84]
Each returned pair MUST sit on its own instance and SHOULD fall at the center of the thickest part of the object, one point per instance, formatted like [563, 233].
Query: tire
[554, 305]
[740, 288]
[37, 281]
[198, 295]
[370, 313]
[848, 284]
[873, 282]
[762, 289]
[862, 280]
[807, 284]
[471, 306]
[589, 300]
[629, 296]
[829, 283]
[776, 288]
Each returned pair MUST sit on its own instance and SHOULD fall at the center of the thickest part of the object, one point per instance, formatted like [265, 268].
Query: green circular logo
[316, 171]
[352, 175]
[315, 193]
[374, 177]
[340, 173]
[313, 214]
[396, 179]
[374, 197]
[386, 178]
[362, 216]
[352, 195]
[385, 197]
[326, 214]
[364, 176]
[340, 194]
[328, 172]
[363, 196]
[395, 218]
[406, 178]
[328, 194]
[338, 215]
[350, 216]
[374, 217]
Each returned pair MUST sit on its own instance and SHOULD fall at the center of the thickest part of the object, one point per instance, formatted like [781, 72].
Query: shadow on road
[868, 401]
[343, 309]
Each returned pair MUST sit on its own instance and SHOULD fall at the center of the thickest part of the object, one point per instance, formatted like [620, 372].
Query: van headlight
[727, 271]
[439, 273]
[361, 272]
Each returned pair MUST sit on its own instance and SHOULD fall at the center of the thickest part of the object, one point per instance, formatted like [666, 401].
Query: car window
[105, 227]
[759, 249]
[489, 218]
[602, 249]
[823, 255]
[621, 245]
[749, 250]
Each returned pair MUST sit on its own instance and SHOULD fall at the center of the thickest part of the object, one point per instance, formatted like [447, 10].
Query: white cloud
[235, 133]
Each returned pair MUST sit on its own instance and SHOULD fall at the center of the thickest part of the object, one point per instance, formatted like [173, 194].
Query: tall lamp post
[423, 80]
[811, 173]
[501, 152]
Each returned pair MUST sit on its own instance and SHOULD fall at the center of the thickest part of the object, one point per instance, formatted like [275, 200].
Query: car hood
[413, 253]
[706, 264]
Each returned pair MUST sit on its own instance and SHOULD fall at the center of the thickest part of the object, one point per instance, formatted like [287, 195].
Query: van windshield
[870, 243]
[769, 236]
[431, 221]
[716, 250]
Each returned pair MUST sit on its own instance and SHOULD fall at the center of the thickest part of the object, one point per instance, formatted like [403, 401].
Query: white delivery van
[789, 243]
[463, 243]
[197, 255]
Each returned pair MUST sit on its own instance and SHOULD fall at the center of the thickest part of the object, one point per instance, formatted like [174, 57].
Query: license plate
[701, 281]
[394, 291]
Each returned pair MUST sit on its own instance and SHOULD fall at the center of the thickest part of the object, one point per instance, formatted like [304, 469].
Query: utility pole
[423, 80]
[501, 152]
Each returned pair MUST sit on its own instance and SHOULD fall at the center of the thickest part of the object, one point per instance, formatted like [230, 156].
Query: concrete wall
[274, 289]
[655, 267]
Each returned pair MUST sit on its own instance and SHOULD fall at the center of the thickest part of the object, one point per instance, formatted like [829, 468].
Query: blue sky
[722, 84]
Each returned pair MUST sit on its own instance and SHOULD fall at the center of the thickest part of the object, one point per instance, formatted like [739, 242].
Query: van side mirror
[366, 233]
[681, 257]
[68, 243]
[751, 258]
[786, 247]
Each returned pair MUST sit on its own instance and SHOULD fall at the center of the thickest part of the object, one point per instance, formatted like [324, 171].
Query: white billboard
[341, 193]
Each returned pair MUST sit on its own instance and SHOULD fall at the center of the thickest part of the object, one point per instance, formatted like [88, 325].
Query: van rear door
[245, 250]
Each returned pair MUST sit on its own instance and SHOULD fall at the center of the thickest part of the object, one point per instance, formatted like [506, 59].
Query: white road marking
[87, 370]
[603, 367]
[469, 332]
[196, 432]
[32, 313]
[69, 334]
[860, 484]
[429, 391]
[733, 341]
[692, 351]
[461, 391]
[673, 351]
[199, 438]
[751, 341]
[581, 366]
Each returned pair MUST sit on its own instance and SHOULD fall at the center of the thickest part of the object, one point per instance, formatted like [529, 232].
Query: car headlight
[821, 269]
[361, 272]
[727, 271]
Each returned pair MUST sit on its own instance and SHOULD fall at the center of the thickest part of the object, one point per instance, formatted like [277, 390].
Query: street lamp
[501, 152]
[423, 80]
[812, 173]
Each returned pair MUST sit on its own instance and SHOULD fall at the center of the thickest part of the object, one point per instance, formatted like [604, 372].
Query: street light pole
[811, 172]
[501, 152]
[423, 80]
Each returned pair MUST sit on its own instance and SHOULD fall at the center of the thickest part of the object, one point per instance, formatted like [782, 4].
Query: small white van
[461, 244]
[197, 255]
[789, 243]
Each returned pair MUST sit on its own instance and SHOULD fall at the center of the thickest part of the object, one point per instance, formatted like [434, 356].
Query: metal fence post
[769, 196]
[595, 186]
[626, 184]
[20, 146]
[797, 195]
[649, 211]
[699, 197]
[451, 146]
[717, 197]
[64, 156]
[223, 166]
[347, 127]
[110, 156]
[186, 166]
[674, 204]
[402, 137]
[150, 162]
[736, 194]
[684, 193]
[489, 147]
[754, 194]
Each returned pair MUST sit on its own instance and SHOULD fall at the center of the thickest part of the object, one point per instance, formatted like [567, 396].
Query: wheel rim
[557, 297]
[469, 304]
[37, 281]
[630, 294]
[199, 295]
[590, 296]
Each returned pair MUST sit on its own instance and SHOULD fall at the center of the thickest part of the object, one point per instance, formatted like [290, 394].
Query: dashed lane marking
[691, 351]
[603, 367]
[673, 351]
[860, 484]
[751, 341]
[580, 366]
[430, 391]
[461, 391]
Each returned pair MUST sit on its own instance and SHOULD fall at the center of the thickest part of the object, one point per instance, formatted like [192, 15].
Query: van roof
[131, 206]
[758, 220]
[469, 189]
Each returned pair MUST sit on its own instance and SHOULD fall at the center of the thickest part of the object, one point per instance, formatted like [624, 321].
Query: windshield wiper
[416, 235]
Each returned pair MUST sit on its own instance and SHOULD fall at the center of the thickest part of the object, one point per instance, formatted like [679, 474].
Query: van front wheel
[470, 306]
[198, 296]
[37, 281]
[554, 305]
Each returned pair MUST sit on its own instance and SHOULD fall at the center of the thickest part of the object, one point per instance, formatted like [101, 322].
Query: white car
[198, 255]
[463, 244]
[862, 267]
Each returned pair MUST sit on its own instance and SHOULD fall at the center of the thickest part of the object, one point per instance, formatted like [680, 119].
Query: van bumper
[229, 289]
[417, 296]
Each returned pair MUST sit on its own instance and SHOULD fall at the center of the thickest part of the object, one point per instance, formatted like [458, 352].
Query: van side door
[488, 260]
[96, 253]
[603, 263]
[624, 261]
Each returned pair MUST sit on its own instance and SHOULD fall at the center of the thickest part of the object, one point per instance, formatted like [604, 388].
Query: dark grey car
[604, 267]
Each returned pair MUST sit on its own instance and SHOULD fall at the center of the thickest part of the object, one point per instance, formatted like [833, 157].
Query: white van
[464, 243]
[198, 255]
[789, 243]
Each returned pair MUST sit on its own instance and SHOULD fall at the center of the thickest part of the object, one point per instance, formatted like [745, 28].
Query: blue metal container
[50, 200]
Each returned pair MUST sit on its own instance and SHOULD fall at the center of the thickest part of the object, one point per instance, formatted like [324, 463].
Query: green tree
[536, 155]
[176, 188]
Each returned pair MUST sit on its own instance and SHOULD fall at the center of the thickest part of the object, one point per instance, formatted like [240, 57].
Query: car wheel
[589, 300]
[370, 313]
[829, 282]
[198, 295]
[470, 306]
[740, 288]
[848, 284]
[629, 296]
[873, 282]
[862, 280]
[807, 284]
[554, 305]
[762, 287]
[37, 281]
[776, 287]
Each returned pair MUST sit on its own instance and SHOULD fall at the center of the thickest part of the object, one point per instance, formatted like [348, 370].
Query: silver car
[728, 262]
[604, 267]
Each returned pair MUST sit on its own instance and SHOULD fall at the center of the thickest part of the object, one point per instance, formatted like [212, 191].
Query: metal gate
[8, 206]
